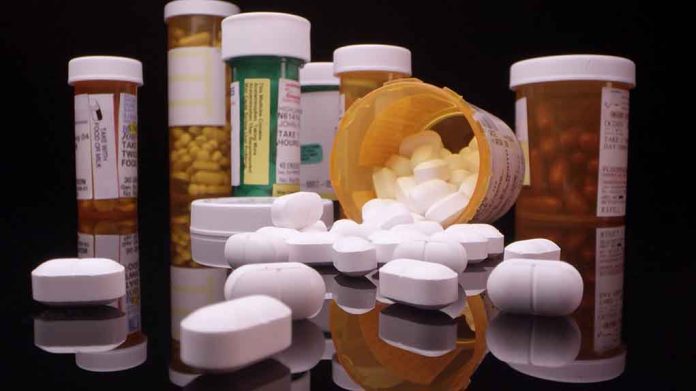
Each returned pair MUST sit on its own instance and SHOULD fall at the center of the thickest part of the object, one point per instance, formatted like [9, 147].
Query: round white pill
[537, 287]
[402, 189]
[69, 281]
[347, 227]
[424, 153]
[236, 333]
[354, 256]
[533, 249]
[319, 226]
[400, 165]
[431, 169]
[410, 143]
[418, 283]
[496, 240]
[425, 194]
[476, 245]
[254, 247]
[296, 210]
[306, 349]
[311, 247]
[298, 286]
[468, 185]
[448, 253]
[446, 210]
[534, 340]
[425, 333]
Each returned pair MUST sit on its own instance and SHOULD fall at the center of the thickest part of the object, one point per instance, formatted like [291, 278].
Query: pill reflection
[265, 375]
[424, 332]
[84, 329]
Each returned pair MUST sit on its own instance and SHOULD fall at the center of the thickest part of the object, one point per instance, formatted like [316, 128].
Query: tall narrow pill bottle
[265, 51]
[363, 68]
[106, 134]
[199, 124]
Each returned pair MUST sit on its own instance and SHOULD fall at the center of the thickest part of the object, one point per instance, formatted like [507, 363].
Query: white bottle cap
[199, 7]
[119, 359]
[105, 68]
[318, 74]
[265, 34]
[385, 58]
[573, 67]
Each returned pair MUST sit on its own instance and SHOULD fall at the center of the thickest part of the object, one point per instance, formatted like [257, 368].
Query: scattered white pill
[296, 210]
[446, 210]
[424, 153]
[471, 160]
[388, 216]
[254, 247]
[444, 152]
[297, 285]
[400, 165]
[476, 245]
[417, 217]
[542, 341]
[373, 207]
[496, 240]
[533, 249]
[418, 283]
[384, 182]
[347, 227]
[306, 350]
[403, 188]
[425, 194]
[354, 256]
[354, 295]
[88, 329]
[469, 185]
[537, 287]
[426, 333]
[410, 143]
[319, 226]
[278, 232]
[424, 226]
[235, 333]
[311, 247]
[448, 253]
[70, 281]
[385, 242]
[431, 169]
[455, 161]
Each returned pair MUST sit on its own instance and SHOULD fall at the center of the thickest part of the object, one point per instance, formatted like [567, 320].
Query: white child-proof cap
[318, 74]
[573, 67]
[105, 68]
[387, 58]
[199, 7]
[265, 34]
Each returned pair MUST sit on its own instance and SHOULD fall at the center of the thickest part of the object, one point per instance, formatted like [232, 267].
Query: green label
[311, 154]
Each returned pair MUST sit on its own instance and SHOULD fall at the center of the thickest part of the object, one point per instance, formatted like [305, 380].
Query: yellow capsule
[199, 39]
[212, 143]
[180, 176]
[206, 165]
[200, 140]
[208, 178]
[195, 130]
[217, 190]
[185, 139]
[203, 156]
[217, 155]
[224, 162]
[177, 132]
[209, 132]
[193, 189]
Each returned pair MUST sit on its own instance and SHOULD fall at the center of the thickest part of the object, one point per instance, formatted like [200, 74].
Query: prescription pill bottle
[265, 51]
[374, 126]
[199, 124]
[106, 134]
[572, 120]
[363, 68]
[320, 115]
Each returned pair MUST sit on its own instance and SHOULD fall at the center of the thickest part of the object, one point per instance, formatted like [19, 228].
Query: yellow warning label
[257, 131]
[280, 189]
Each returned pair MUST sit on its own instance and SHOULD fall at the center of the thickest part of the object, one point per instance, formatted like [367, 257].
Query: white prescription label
[196, 86]
[613, 153]
[288, 132]
[609, 272]
[106, 156]
[193, 288]
[522, 132]
[236, 133]
[320, 115]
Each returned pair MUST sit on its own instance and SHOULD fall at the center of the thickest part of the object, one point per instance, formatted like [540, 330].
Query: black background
[465, 45]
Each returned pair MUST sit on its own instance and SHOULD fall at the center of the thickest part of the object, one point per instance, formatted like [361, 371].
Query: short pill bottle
[372, 129]
[265, 51]
[106, 134]
[572, 120]
[199, 124]
[364, 68]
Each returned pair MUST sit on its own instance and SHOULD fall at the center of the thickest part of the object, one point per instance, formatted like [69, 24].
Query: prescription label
[288, 133]
[256, 135]
[613, 153]
[196, 86]
[193, 288]
[320, 115]
[236, 132]
[522, 132]
[106, 146]
[609, 272]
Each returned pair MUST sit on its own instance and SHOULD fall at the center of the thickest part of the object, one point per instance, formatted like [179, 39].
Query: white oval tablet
[296, 210]
[476, 245]
[354, 256]
[537, 287]
[425, 194]
[403, 188]
[533, 249]
[400, 165]
[372, 208]
[534, 340]
[306, 349]
[387, 216]
[385, 242]
[446, 210]
[298, 286]
[448, 253]
[425, 227]
[319, 226]
[70, 281]
[418, 283]
[413, 141]
[496, 240]
[423, 332]
[311, 247]
[254, 247]
[347, 227]
[235, 333]
[431, 169]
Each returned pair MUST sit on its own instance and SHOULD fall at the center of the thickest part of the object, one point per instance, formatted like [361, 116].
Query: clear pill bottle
[374, 126]
[106, 134]
[572, 120]
[265, 51]
[363, 68]
[199, 124]
[320, 115]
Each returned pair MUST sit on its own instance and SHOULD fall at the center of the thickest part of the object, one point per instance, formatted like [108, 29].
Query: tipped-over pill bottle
[572, 120]
[320, 115]
[106, 134]
[363, 68]
[199, 124]
[376, 129]
[265, 51]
